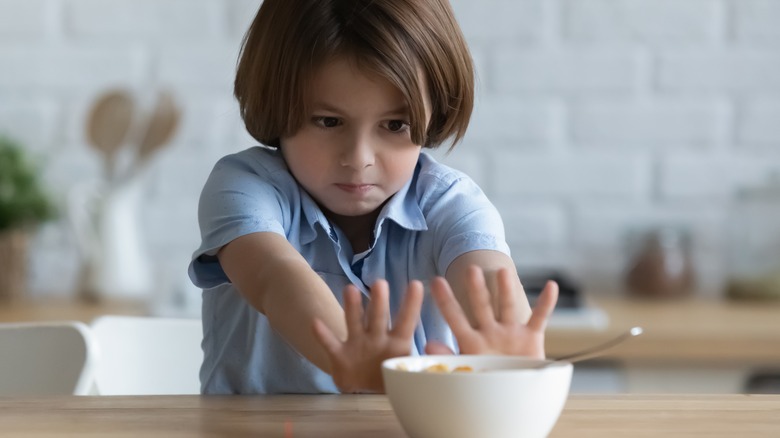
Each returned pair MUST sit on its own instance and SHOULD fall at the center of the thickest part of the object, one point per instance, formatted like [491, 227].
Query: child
[340, 208]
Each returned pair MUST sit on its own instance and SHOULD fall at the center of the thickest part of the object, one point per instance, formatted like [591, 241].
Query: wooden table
[370, 416]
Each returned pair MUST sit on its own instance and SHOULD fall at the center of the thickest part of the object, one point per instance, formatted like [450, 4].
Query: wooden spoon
[108, 125]
[162, 125]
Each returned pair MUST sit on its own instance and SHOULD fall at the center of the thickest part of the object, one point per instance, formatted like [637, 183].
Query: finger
[326, 338]
[434, 347]
[409, 314]
[378, 308]
[544, 307]
[353, 311]
[507, 297]
[479, 297]
[449, 308]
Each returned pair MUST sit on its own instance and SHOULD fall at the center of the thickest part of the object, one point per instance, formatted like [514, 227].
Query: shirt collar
[313, 216]
[402, 208]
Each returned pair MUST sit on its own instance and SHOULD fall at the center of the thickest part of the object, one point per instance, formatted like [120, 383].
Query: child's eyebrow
[327, 107]
[402, 110]
[322, 106]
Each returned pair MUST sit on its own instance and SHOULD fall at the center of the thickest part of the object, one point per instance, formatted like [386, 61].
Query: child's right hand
[356, 363]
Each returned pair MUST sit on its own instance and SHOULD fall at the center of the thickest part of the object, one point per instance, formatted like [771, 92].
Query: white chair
[52, 358]
[148, 355]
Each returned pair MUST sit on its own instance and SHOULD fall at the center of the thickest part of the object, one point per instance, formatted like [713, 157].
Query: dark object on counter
[767, 382]
[569, 296]
[662, 265]
[754, 289]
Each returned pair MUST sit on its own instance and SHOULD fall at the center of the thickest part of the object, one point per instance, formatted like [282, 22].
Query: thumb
[434, 347]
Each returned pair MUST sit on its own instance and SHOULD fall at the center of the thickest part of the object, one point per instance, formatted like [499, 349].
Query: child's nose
[358, 153]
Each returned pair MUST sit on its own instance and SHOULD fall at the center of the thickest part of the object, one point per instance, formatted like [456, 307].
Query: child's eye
[397, 126]
[326, 122]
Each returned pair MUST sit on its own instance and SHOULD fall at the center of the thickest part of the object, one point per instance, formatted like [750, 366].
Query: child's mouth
[355, 188]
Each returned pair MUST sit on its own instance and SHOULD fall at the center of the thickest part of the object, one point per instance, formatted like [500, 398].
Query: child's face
[354, 151]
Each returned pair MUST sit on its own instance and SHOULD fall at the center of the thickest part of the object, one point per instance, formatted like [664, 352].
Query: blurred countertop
[65, 308]
[681, 331]
[676, 331]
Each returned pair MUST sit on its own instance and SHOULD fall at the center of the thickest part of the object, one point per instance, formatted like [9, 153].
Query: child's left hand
[356, 363]
[504, 334]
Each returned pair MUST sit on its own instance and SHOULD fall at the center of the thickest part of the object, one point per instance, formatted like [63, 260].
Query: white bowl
[503, 397]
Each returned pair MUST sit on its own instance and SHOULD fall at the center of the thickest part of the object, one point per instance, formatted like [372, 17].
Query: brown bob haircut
[396, 39]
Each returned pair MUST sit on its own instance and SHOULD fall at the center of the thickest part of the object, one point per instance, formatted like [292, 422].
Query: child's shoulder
[251, 167]
[433, 175]
[256, 162]
[437, 185]
[260, 159]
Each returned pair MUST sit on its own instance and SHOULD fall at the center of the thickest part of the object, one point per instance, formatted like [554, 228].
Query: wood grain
[668, 416]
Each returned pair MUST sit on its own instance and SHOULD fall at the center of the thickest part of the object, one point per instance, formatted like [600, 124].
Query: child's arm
[277, 281]
[486, 307]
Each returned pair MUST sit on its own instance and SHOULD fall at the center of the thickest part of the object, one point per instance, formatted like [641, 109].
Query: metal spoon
[580, 355]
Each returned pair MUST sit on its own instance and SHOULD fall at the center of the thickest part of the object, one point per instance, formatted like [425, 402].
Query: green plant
[23, 202]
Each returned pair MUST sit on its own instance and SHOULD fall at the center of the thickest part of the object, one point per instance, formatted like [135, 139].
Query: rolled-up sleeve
[236, 200]
[463, 219]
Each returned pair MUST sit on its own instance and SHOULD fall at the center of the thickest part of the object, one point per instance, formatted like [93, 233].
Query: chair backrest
[147, 355]
[51, 358]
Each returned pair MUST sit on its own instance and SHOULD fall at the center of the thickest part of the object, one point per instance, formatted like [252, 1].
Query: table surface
[668, 416]
[686, 331]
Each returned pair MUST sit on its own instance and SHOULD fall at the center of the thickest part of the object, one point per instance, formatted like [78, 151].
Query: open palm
[356, 363]
[503, 334]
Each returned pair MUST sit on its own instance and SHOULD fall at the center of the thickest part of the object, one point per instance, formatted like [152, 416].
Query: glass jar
[660, 263]
[754, 242]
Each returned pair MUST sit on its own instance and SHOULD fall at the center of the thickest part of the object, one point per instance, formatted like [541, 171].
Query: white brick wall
[750, 71]
[593, 118]
[512, 21]
[23, 19]
[758, 123]
[658, 123]
[70, 70]
[167, 20]
[756, 21]
[572, 176]
[673, 22]
[570, 72]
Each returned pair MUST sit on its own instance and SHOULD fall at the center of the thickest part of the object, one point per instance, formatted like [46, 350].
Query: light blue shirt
[437, 216]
